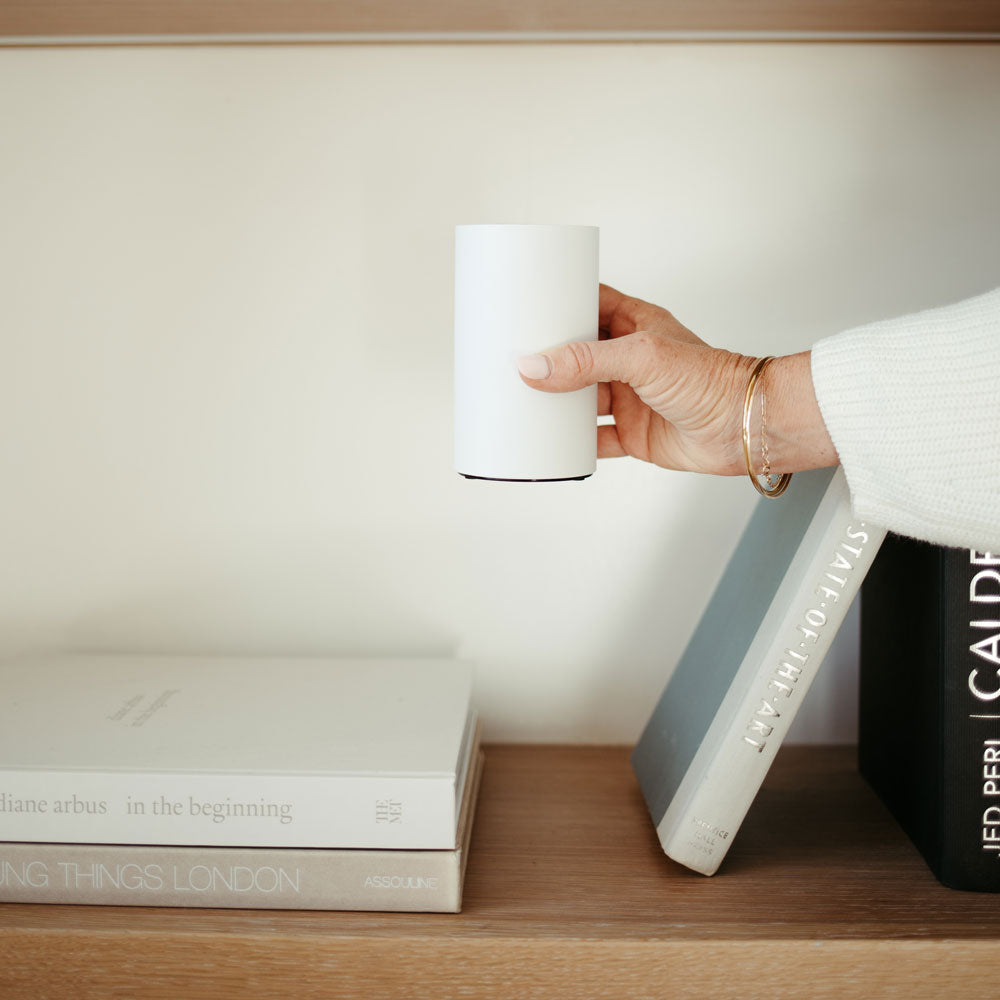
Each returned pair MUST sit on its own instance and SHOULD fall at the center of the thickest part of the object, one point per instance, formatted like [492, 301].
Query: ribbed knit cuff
[913, 407]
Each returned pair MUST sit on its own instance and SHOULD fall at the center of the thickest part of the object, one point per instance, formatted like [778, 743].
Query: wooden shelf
[568, 895]
[399, 20]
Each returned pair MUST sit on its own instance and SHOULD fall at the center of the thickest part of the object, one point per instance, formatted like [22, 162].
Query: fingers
[603, 399]
[610, 302]
[608, 443]
[582, 363]
[619, 315]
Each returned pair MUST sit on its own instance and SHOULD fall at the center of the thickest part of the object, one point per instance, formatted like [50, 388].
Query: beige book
[261, 878]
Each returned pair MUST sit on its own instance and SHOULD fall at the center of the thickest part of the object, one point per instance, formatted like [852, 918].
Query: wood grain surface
[568, 895]
[108, 18]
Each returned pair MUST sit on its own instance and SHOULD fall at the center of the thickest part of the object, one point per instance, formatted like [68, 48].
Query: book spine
[228, 810]
[901, 745]
[126, 875]
[741, 743]
[969, 705]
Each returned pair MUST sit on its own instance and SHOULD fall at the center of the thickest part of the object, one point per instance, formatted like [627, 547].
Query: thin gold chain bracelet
[775, 485]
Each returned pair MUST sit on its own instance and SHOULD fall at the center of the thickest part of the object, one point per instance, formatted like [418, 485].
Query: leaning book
[240, 877]
[705, 751]
[929, 725]
[202, 751]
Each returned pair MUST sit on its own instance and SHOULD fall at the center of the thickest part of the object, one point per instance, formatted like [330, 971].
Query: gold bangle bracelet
[781, 482]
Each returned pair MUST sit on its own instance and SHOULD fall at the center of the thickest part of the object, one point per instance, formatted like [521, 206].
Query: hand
[676, 401]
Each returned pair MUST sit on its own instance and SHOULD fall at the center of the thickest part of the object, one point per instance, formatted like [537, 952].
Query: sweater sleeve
[913, 407]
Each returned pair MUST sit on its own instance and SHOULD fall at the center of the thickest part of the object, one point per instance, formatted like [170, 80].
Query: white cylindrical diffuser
[520, 290]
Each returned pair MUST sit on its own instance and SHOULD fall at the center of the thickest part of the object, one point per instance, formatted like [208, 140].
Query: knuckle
[632, 306]
[641, 312]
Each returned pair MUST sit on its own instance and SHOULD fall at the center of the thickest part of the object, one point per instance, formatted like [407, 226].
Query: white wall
[225, 379]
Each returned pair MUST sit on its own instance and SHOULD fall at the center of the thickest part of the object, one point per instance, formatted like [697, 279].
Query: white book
[716, 729]
[234, 752]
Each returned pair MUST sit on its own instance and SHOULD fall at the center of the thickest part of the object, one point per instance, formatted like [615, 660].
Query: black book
[929, 738]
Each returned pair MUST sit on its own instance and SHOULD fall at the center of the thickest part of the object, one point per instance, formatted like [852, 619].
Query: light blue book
[707, 747]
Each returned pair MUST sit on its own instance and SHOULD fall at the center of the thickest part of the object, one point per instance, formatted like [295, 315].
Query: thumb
[581, 363]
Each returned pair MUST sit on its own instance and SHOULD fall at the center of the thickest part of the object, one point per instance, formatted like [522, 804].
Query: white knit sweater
[913, 407]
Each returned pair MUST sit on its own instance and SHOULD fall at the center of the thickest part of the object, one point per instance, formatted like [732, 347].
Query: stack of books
[287, 784]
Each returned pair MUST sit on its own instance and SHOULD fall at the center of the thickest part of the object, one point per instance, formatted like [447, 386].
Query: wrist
[787, 432]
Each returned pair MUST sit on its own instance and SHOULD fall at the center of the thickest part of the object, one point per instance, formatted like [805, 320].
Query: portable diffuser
[520, 290]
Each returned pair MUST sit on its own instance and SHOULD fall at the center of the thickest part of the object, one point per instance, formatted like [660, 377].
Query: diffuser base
[498, 479]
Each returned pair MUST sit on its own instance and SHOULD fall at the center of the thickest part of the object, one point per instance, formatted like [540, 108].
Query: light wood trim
[109, 19]
[568, 895]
